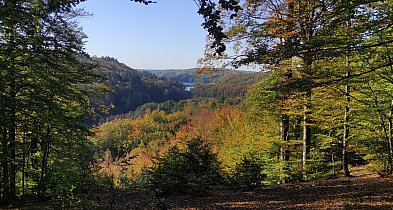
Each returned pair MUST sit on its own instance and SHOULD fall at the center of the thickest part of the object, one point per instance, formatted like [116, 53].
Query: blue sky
[159, 36]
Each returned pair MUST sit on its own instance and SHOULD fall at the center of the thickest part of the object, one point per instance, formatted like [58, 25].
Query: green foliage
[248, 174]
[66, 184]
[276, 171]
[69, 178]
[44, 98]
[114, 137]
[191, 171]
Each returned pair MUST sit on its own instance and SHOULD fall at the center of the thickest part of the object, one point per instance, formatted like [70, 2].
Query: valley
[311, 128]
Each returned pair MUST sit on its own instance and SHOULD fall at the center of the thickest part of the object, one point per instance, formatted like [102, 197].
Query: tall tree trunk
[12, 146]
[284, 153]
[23, 173]
[297, 128]
[386, 130]
[44, 161]
[24, 152]
[307, 110]
[4, 164]
[284, 150]
[346, 131]
[285, 122]
[390, 132]
[333, 161]
[306, 128]
[35, 162]
[344, 152]
[390, 138]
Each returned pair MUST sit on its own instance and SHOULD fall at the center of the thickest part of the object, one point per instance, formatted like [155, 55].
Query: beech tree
[274, 33]
[44, 92]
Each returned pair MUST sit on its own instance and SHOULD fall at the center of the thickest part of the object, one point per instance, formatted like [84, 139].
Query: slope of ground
[362, 191]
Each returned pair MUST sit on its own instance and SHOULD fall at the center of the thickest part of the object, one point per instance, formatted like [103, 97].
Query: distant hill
[185, 76]
[131, 88]
[232, 84]
[217, 84]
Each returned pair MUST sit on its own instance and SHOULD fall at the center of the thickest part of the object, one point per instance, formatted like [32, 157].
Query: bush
[191, 171]
[68, 184]
[249, 173]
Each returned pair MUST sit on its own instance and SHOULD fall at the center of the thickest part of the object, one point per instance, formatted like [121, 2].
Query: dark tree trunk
[285, 137]
[23, 173]
[34, 147]
[4, 164]
[35, 162]
[297, 128]
[284, 151]
[12, 150]
[44, 161]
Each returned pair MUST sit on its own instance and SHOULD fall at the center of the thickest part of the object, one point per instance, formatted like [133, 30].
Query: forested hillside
[314, 130]
[129, 88]
[189, 75]
[230, 85]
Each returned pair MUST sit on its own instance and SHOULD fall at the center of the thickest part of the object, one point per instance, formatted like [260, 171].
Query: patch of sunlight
[376, 203]
[240, 204]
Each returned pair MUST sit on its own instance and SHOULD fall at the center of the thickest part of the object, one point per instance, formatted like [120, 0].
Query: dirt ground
[362, 191]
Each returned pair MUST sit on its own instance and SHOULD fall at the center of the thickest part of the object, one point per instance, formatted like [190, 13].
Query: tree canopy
[44, 95]
[322, 103]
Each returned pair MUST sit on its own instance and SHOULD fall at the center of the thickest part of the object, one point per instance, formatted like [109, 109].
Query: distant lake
[188, 86]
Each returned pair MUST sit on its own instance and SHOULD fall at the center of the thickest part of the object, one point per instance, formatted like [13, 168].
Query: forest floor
[365, 190]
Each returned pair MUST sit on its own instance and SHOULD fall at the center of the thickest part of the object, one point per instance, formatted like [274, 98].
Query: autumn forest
[314, 122]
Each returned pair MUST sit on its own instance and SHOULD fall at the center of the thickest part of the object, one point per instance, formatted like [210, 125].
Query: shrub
[191, 171]
[249, 173]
